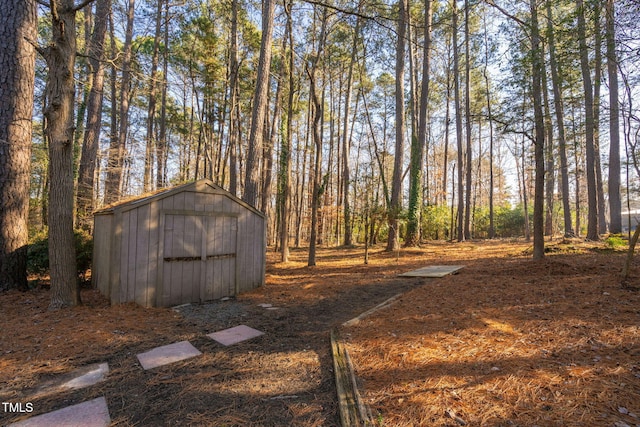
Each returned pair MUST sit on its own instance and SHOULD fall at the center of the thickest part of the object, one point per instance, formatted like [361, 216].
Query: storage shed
[191, 243]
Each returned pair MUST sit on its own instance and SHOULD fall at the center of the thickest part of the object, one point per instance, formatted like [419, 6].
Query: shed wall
[102, 241]
[130, 249]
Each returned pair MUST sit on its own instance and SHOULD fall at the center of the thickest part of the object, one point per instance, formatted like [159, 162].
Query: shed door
[199, 254]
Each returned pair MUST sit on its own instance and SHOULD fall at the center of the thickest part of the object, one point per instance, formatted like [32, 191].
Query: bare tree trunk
[18, 29]
[467, 113]
[113, 89]
[161, 143]
[592, 193]
[267, 160]
[492, 228]
[615, 204]
[346, 139]
[260, 104]
[549, 159]
[233, 100]
[626, 268]
[559, 111]
[456, 81]
[396, 185]
[538, 197]
[597, 83]
[447, 120]
[317, 112]
[418, 145]
[85, 196]
[60, 92]
[284, 175]
[151, 110]
[113, 184]
[525, 191]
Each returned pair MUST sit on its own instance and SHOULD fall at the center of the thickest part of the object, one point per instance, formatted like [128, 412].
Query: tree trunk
[626, 268]
[113, 184]
[615, 204]
[492, 228]
[592, 192]
[233, 100]
[86, 173]
[467, 114]
[267, 152]
[18, 29]
[151, 108]
[447, 120]
[316, 112]
[260, 104]
[559, 111]
[597, 83]
[346, 140]
[161, 143]
[418, 144]
[538, 197]
[396, 184]
[524, 190]
[549, 159]
[456, 84]
[60, 90]
[284, 174]
[113, 89]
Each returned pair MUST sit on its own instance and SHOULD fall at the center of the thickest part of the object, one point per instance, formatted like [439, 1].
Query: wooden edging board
[353, 412]
[382, 305]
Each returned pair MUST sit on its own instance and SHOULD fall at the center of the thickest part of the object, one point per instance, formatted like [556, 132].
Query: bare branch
[42, 51]
[43, 3]
[505, 13]
[82, 4]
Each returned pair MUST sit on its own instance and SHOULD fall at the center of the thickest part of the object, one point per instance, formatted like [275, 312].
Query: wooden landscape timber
[353, 411]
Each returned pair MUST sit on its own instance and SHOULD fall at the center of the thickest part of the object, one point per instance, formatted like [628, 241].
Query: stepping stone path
[167, 354]
[88, 376]
[235, 335]
[93, 413]
[433, 271]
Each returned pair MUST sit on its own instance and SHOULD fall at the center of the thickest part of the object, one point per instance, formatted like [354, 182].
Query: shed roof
[201, 186]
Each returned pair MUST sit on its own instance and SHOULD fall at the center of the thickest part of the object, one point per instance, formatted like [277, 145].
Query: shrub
[615, 241]
[436, 221]
[38, 253]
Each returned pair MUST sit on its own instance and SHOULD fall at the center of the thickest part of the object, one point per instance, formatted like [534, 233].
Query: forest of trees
[345, 122]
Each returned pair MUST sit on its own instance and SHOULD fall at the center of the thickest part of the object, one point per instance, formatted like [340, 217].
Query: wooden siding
[185, 245]
[102, 240]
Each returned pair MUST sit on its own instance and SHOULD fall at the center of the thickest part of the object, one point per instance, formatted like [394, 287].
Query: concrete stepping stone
[167, 354]
[93, 413]
[80, 378]
[235, 335]
[87, 376]
[433, 271]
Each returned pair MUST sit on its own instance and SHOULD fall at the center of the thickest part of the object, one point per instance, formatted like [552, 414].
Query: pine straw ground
[507, 341]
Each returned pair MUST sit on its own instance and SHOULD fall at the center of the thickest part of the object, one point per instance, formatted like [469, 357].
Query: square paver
[87, 376]
[92, 413]
[235, 335]
[167, 354]
[433, 271]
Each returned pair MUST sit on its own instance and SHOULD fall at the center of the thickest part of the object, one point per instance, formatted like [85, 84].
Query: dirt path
[281, 378]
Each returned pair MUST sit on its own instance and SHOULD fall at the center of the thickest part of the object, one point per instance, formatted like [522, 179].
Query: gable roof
[200, 186]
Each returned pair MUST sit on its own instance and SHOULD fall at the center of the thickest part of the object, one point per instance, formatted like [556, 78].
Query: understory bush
[615, 241]
[38, 253]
